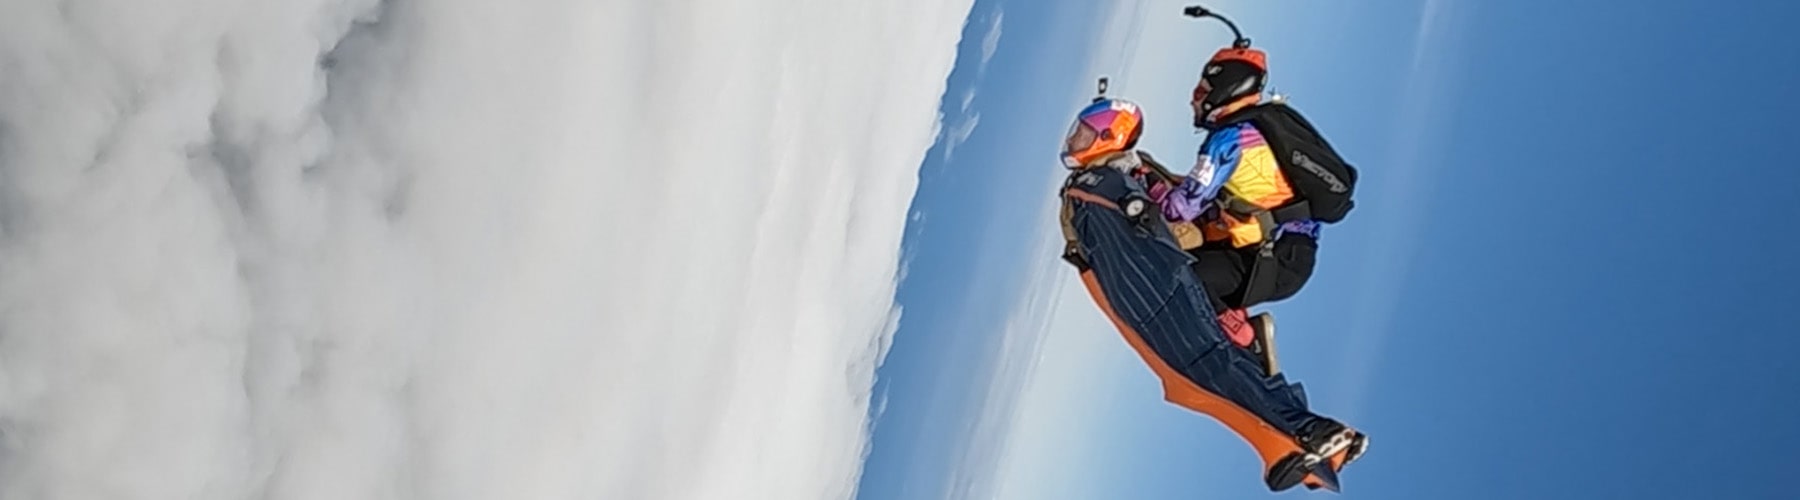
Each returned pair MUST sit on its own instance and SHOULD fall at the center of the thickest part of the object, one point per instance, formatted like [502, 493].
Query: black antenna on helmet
[1101, 92]
[1198, 11]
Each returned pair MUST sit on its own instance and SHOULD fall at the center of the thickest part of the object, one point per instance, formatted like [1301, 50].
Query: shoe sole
[1268, 341]
[1338, 443]
[1358, 446]
[1292, 469]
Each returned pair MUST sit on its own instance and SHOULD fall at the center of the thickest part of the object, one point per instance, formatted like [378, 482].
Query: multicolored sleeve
[1217, 159]
[1184, 202]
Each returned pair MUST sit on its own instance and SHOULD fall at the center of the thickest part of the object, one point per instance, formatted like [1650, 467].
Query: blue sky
[1566, 278]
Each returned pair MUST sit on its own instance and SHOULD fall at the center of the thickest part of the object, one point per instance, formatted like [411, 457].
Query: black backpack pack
[1324, 184]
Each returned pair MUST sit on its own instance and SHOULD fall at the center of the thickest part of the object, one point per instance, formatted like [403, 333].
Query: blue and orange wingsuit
[1141, 279]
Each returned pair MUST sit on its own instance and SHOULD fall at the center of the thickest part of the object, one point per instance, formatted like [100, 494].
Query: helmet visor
[1081, 137]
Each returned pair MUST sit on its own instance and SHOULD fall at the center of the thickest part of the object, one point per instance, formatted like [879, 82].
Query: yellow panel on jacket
[1254, 177]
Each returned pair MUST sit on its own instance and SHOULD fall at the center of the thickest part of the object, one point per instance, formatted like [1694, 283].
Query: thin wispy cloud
[1408, 182]
[990, 42]
[1047, 451]
[1116, 46]
[964, 127]
[959, 133]
[456, 249]
[986, 437]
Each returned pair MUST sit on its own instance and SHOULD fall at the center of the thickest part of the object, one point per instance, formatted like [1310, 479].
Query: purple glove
[1184, 203]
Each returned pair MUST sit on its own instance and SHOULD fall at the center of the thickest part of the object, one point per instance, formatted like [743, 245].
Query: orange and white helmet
[1101, 130]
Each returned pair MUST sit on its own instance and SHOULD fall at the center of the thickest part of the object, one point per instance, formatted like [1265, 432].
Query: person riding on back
[1262, 185]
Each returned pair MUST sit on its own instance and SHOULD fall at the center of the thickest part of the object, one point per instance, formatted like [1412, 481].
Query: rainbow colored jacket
[1238, 160]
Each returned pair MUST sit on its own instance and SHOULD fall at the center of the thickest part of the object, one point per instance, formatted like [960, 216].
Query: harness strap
[1071, 246]
[1260, 281]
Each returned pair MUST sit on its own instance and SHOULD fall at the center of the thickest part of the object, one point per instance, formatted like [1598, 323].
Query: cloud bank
[455, 249]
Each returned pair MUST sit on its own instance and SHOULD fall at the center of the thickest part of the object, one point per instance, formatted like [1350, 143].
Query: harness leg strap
[1260, 282]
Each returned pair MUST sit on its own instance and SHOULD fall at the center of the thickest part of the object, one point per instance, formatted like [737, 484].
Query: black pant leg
[1295, 256]
[1223, 272]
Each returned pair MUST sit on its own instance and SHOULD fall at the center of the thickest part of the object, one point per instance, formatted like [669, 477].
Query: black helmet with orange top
[1232, 79]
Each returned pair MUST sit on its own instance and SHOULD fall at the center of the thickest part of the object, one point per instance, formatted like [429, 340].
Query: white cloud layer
[453, 249]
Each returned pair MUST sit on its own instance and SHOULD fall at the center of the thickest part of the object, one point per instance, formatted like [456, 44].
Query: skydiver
[1140, 277]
